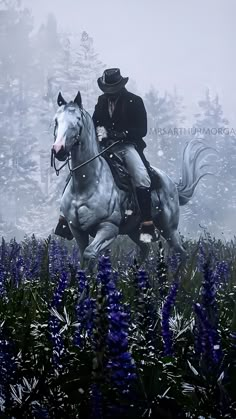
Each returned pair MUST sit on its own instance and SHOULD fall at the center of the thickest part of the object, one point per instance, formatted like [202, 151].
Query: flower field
[157, 341]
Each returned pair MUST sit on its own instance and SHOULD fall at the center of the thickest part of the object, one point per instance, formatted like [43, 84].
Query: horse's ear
[78, 99]
[60, 100]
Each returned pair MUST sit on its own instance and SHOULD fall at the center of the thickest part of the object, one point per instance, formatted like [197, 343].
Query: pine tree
[87, 68]
[164, 139]
[17, 165]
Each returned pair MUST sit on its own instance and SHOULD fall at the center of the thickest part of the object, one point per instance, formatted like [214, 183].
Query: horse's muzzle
[61, 154]
[57, 147]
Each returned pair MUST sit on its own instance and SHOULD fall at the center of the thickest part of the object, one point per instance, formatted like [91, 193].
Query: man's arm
[135, 126]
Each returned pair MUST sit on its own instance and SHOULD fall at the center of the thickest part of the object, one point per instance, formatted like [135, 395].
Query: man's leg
[142, 184]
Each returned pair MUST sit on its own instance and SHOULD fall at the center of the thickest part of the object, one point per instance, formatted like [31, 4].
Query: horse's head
[68, 126]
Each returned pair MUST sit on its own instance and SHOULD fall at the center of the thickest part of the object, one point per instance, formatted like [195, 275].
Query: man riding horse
[121, 115]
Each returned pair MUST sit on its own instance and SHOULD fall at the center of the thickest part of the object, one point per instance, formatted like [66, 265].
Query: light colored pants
[134, 164]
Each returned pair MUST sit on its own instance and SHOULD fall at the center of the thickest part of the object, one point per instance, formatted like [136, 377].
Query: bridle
[67, 162]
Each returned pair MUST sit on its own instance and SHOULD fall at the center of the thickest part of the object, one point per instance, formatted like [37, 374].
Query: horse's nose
[58, 146]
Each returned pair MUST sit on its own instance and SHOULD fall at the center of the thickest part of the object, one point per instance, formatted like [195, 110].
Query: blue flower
[207, 341]
[85, 308]
[60, 289]
[96, 402]
[165, 323]
[2, 281]
[113, 361]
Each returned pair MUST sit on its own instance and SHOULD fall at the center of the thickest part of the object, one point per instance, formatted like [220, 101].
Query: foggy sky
[167, 43]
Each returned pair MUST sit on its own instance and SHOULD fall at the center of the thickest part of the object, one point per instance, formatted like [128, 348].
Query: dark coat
[129, 116]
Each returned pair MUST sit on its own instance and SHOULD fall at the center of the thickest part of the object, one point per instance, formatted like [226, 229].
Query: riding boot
[147, 228]
[63, 230]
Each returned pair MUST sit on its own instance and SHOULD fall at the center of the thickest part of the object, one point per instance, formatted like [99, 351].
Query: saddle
[121, 175]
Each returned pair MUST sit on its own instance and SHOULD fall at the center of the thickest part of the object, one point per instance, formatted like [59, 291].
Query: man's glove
[116, 135]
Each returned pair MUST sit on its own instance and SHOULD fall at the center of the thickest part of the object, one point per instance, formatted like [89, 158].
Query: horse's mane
[87, 122]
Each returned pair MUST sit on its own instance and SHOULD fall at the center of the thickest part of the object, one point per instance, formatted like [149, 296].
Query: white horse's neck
[89, 174]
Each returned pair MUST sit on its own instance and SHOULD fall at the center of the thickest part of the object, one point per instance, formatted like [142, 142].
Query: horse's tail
[191, 167]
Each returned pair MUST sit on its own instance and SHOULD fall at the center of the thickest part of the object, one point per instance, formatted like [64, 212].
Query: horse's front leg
[82, 239]
[106, 233]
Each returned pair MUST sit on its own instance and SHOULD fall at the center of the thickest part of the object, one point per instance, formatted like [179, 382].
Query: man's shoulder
[132, 97]
[101, 97]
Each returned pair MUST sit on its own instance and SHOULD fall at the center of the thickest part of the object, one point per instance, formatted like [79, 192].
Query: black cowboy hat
[112, 81]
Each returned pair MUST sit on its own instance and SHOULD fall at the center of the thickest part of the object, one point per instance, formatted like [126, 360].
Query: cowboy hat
[112, 81]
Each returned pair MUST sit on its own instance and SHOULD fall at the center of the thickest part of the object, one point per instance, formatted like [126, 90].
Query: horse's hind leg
[174, 240]
[167, 227]
[144, 248]
[176, 245]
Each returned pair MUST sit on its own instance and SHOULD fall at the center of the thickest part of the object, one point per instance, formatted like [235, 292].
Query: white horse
[93, 204]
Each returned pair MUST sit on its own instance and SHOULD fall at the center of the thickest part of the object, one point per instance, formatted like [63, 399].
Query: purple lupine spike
[120, 363]
[4, 252]
[96, 402]
[221, 272]
[104, 270]
[82, 282]
[57, 260]
[115, 366]
[35, 261]
[142, 280]
[174, 261]
[60, 289]
[198, 333]
[208, 338]
[165, 323]
[209, 305]
[208, 290]
[2, 281]
[84, 309]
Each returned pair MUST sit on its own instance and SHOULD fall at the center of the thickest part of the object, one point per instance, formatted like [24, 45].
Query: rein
[57, 170]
